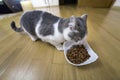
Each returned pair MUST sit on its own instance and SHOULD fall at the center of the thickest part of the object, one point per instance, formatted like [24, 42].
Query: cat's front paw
[60, 48]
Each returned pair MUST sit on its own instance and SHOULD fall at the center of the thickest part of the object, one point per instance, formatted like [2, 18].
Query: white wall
[117, 3]
[43, 3]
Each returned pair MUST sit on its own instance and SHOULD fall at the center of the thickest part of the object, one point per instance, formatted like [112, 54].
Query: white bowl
[93, 56]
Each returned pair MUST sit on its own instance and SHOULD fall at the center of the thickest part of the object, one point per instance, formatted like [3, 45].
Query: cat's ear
[72, 21]
[84, 17]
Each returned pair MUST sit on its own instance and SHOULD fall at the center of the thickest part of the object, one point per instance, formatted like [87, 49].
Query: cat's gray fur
[44, 25]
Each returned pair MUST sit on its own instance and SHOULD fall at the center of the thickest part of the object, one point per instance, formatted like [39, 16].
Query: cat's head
[77, 28]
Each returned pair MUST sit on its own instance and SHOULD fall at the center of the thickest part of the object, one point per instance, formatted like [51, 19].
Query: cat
[52, 29]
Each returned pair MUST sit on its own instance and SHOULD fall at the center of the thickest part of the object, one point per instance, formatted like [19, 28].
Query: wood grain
[22, 59]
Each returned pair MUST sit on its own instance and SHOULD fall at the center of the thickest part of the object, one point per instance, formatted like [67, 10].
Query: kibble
[77, 54]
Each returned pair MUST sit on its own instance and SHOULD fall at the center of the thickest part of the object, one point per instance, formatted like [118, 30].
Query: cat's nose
[77, 40]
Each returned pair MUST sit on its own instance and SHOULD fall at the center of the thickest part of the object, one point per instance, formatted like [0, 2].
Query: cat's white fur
[55, 39]
[65, 33]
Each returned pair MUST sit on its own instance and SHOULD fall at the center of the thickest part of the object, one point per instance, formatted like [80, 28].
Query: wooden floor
[22, 59]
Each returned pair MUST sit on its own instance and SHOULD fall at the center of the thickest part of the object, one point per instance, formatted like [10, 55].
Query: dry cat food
[77, 54]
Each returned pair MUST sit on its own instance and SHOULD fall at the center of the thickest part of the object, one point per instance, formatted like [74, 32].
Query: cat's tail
[13, 26]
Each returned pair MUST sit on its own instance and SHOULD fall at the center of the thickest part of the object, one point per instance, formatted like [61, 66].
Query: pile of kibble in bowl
[77, 54]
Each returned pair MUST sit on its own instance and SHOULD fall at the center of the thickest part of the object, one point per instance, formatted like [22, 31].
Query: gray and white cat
[52, 29]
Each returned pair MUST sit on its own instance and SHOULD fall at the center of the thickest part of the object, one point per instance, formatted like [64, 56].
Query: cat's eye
[78, 24]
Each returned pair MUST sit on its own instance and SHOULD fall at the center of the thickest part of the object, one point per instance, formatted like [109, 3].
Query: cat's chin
[83, 40]
[80, 42]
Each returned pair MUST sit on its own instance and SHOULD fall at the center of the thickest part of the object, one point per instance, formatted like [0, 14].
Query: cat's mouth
[79, 40]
